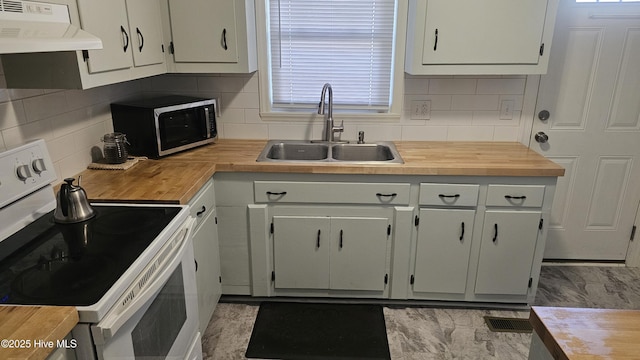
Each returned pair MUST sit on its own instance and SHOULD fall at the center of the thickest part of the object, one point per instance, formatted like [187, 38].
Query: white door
[358, 253]
[592, 93]
[301, 252]
[444, 245]
[145, 31]
[107, 20]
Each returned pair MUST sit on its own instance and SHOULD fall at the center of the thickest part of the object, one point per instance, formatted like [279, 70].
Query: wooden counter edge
[545, 335]
[46, 323]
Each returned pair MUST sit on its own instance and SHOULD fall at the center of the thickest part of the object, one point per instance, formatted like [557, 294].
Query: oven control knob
[38, 165]
[23, 172]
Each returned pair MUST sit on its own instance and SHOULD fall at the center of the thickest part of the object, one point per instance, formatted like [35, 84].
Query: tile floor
[452, 333]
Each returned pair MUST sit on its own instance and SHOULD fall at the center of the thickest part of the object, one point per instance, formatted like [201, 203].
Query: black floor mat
[306, 331]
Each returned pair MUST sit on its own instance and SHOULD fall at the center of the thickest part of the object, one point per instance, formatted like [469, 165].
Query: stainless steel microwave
[157, 127]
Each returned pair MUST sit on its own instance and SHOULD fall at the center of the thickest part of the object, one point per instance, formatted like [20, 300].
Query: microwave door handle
[117, 317]
[207, 122]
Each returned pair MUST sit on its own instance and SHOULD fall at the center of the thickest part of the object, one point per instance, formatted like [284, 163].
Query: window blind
[347, 43]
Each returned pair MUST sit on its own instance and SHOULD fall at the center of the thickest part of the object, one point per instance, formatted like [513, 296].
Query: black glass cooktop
[75, 264]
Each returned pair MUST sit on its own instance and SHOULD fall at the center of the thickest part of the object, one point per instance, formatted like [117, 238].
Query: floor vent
[501, 324]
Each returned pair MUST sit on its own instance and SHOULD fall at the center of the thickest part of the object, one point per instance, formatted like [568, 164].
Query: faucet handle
[339, 128]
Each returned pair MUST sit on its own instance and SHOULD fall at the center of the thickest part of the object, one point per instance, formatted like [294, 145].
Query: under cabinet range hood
[29, 26]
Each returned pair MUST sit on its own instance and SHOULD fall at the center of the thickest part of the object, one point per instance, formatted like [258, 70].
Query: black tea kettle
[72, 204]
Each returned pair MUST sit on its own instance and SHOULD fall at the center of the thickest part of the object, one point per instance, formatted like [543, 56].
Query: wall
[462, 108]
[72, 121]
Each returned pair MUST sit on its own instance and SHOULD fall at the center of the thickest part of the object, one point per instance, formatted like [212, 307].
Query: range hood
[29, 26]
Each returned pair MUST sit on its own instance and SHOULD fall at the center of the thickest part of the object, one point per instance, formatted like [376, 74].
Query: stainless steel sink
[297, 151]
[321, 152]
[362, 152]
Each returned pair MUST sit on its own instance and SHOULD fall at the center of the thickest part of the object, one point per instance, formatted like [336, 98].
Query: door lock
[544, 115]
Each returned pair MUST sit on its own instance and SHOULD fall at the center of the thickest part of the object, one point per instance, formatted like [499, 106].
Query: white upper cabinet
[108, 21]
[145, 30]
[131, 33]
[479, 36]
[211, 36]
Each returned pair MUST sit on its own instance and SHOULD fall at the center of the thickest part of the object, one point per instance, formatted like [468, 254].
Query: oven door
[184, 126]
[157, 318]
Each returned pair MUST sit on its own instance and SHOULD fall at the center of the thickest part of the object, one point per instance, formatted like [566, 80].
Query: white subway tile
[251, 83]
[252, 116]
[17, 94]
[424, 133]
[245, 131]
[506, 133]
[61, 147]
[229, 115]
[89, 137]
[416, 86]
[452, 86]
[501, 86]
[42, 107]
[31, 131]
[175, 83]
[290, 131]
[12, 114]
[450, 118]
[438, 102]
[493, 118]
[71, 165]
[220, 84]
[475, 102]
[241, 100]
[374, 132]
[470, 133]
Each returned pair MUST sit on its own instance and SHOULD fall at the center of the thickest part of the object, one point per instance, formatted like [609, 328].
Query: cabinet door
[108, 21]
[442, 254]
[204, 30]
[483, 31]
[207, 257]
[301, 252]
[358, 253]
[145, 31]
[506, 252]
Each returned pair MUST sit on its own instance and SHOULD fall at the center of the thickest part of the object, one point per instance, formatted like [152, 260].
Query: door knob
[544, 115]
[541, 137]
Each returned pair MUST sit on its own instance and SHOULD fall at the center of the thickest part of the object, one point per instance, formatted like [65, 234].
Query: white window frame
[267, 113]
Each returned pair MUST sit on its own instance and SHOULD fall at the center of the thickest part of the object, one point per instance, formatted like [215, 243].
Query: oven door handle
[126, 306]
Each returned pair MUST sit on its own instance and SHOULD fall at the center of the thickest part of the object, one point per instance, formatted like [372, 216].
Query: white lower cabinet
[206, 253]
[436, 238]
[336, 253]
[443, 248]
[507, 249]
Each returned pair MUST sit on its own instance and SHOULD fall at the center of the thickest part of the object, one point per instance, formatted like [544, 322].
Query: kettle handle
[64, 195]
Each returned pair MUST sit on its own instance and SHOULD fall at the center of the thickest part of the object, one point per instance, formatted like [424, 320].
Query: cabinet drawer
[515, 195]
[449, 194]
[331, 192]
[202, 204]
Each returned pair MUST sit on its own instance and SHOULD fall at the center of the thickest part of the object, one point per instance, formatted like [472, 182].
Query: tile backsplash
[72, 121]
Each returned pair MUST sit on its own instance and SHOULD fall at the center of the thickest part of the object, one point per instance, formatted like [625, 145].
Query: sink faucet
[329, 128]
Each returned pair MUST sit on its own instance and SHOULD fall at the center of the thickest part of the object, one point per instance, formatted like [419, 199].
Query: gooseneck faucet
[329, 128]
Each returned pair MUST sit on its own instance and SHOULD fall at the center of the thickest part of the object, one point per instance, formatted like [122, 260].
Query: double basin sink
[383, 152]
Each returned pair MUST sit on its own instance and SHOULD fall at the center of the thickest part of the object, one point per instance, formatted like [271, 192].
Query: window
[348, 43]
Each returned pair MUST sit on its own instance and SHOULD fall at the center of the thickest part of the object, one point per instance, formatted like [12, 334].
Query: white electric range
[129, 271]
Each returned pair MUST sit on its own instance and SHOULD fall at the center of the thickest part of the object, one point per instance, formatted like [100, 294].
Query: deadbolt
[544, 115]
[541, 137]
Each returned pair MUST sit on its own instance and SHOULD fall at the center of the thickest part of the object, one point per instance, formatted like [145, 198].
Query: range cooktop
[47, 263]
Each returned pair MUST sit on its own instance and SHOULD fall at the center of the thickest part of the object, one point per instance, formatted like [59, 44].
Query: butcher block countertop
[176, 178]
[28, 332]
[588, 334]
